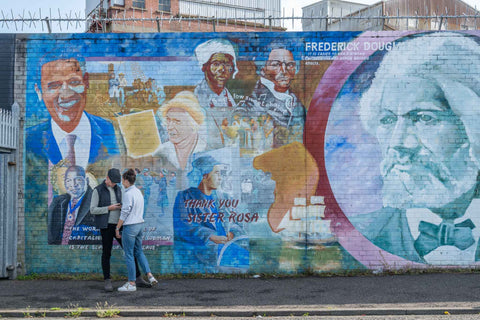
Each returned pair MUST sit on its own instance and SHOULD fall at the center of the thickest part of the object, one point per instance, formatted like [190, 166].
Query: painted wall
[257, 152]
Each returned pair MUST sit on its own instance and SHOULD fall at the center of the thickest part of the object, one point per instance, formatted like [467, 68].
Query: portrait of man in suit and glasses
[273, 96]
[423, 108]
[69, 217]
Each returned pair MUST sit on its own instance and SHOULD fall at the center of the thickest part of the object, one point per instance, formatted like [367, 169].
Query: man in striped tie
[69, 218]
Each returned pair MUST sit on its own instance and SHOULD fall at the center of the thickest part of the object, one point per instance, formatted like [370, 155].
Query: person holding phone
[105, 206]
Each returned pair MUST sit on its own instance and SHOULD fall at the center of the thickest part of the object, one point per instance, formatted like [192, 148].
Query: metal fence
[9, 126]
[40, 22]
[9, 137]
[8, 214]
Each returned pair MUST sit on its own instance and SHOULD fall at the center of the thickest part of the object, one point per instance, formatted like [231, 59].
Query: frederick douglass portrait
[421, 107]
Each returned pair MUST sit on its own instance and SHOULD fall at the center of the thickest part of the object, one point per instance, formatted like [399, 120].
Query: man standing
[113, 89]
[122, 84]
[74, 135]
[105, 206]
[69, 211]
[272, 96]
[218, 60]
[423, 108]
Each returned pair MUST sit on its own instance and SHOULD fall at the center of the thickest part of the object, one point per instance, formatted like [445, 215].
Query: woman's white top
[132, 206]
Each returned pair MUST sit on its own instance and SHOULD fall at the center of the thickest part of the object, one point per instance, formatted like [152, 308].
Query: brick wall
[256, 152]
[19, 96]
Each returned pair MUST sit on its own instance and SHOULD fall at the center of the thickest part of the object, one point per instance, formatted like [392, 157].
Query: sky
[74, 8]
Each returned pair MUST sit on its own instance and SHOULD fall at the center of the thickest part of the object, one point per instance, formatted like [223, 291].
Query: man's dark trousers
[107, 242]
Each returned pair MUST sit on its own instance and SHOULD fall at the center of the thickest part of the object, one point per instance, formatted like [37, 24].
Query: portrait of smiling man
[423, 107]
[71, 134]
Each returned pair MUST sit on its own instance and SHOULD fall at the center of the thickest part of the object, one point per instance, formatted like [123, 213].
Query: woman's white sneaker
[127, 287]
[152, 280]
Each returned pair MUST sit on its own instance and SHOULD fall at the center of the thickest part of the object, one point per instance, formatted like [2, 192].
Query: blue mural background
[284, 126]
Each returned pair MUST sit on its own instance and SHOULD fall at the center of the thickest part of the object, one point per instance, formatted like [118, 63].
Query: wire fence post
[48, 25]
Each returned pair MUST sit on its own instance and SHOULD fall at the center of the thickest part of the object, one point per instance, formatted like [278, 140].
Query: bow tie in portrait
[445, 234]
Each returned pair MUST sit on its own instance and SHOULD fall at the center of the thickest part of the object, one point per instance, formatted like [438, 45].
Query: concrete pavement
[246, 297]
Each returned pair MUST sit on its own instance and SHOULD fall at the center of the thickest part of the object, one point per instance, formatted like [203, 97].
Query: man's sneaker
[127, 287]
[152, 280]
[140, 282]
[108, 285]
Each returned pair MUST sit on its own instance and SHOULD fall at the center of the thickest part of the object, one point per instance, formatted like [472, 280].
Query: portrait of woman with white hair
[183, 118]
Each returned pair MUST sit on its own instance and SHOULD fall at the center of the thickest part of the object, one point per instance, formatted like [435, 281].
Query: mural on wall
[403, 123]
[257, 152]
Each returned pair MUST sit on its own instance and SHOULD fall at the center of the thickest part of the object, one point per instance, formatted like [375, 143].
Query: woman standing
[131, 218]
[105, 206]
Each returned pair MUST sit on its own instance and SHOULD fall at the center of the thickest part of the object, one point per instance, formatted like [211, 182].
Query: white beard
[427, 183]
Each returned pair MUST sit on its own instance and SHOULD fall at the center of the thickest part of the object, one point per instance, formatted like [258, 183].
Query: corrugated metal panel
[431, 8]
[9, 129]
[407, 10]
[8, 214]
[232, 8]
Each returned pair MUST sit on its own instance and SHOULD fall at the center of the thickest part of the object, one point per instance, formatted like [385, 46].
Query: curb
[244, 311]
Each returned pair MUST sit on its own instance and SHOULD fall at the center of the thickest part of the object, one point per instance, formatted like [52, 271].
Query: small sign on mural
[140, 133]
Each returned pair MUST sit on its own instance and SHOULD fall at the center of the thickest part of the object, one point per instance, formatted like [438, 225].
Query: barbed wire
[18, 23]
[77, 22]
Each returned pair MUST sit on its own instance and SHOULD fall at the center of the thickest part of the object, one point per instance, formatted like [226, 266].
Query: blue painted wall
[257, 152]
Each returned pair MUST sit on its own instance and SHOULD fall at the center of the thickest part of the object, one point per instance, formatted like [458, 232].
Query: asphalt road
[397, 289]
[398, 295]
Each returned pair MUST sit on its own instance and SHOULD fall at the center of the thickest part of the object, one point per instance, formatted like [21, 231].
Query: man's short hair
[114, 175]
[186, 101]
[77, 169]
[261, 62]
[448, 60]
[63, 55]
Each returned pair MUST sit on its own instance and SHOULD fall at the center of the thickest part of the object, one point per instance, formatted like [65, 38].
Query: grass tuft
[106, 311]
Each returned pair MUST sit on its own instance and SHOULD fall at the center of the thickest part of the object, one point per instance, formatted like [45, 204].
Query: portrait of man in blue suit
[69, 137]
[423, 107]
[71, 134]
